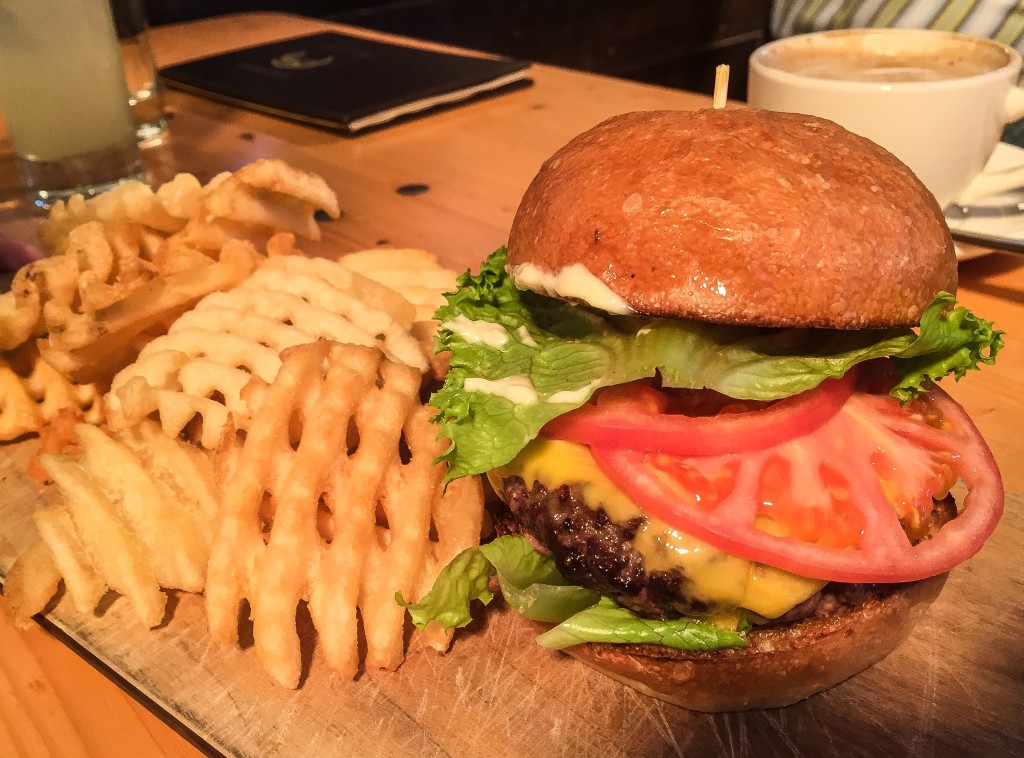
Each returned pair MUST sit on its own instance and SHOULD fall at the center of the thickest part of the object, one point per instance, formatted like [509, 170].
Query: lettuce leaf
[609, 622]
[466, 578]
[561, 353]
[532, 585]
[951, 341]
[529, 581]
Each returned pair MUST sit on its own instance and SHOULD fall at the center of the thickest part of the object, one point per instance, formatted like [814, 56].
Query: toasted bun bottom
[780, 666]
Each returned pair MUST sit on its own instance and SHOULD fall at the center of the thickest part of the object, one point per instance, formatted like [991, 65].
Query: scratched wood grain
[955, 687]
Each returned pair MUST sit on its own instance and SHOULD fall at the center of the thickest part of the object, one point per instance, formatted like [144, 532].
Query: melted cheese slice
[724, 582]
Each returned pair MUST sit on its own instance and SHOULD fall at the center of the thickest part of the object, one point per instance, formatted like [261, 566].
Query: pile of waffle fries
[219, 413]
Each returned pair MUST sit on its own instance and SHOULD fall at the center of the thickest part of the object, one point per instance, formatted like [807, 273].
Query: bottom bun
[780, 665]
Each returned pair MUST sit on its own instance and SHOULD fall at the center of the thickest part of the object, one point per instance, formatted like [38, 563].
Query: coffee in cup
[937, 100]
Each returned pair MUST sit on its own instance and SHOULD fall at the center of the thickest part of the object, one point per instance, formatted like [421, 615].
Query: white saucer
[1005, 227]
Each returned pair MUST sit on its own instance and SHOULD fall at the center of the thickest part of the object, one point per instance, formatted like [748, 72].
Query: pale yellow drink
[63, 93]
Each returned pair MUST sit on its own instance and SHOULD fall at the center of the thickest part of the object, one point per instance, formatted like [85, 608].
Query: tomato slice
[828, 505]
[637, 421]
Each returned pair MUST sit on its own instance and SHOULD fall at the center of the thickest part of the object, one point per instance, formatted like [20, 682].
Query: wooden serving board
[956, 687]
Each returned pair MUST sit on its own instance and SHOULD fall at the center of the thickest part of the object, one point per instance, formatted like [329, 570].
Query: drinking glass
[145, 93]
[64, 97]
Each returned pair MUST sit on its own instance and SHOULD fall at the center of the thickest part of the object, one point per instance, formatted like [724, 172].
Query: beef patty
[593, 551]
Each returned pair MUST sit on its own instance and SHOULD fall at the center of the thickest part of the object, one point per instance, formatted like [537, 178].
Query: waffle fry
[107, 247]
[33, 393]
[183, 196]
[122, 269]
[93, 266]
[91, 346]
[457, 516]
[191, 294]
[269, 195]
[20, 310]
[375, 293]
[19, 413]
[135, 516]
[278, 177]
[56, 436]
[66, 552]
[421, 279]
[198, 369]
[166, 210]
[257, 201]
[32, 582]
[340, 521]
[89, 304]
[416, 274]
[304, 280]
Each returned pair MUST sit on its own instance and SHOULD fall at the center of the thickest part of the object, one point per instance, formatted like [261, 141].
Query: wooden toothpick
[721, 86]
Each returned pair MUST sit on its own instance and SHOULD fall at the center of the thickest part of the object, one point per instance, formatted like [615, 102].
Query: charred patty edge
[593, 551]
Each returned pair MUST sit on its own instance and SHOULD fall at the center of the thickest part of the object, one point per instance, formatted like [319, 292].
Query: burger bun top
[739, 216]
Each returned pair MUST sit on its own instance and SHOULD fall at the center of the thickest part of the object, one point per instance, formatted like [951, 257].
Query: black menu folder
[342, 82]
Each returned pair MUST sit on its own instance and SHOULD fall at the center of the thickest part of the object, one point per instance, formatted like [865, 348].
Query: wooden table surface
[476, 161]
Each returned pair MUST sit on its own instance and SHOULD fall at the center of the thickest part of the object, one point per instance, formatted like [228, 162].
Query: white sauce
[525, 338]
[574, 282]
[479, 332]
[574, 396]
[520, 390]
[517, 389]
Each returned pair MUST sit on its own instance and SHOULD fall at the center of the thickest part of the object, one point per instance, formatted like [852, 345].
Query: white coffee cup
[937, 100]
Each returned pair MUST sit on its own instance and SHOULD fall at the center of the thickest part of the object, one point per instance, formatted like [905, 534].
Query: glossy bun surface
[739, 216]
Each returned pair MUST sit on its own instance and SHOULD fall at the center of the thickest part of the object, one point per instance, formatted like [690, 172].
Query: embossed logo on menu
[298, 60]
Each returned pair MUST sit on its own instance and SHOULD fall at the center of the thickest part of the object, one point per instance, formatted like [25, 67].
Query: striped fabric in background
[998, 19]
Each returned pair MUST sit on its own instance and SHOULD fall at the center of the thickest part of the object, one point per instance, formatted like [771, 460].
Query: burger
[701, 379]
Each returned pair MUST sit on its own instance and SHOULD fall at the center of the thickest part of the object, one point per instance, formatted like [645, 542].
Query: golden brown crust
[780, 666]
[740, 216]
